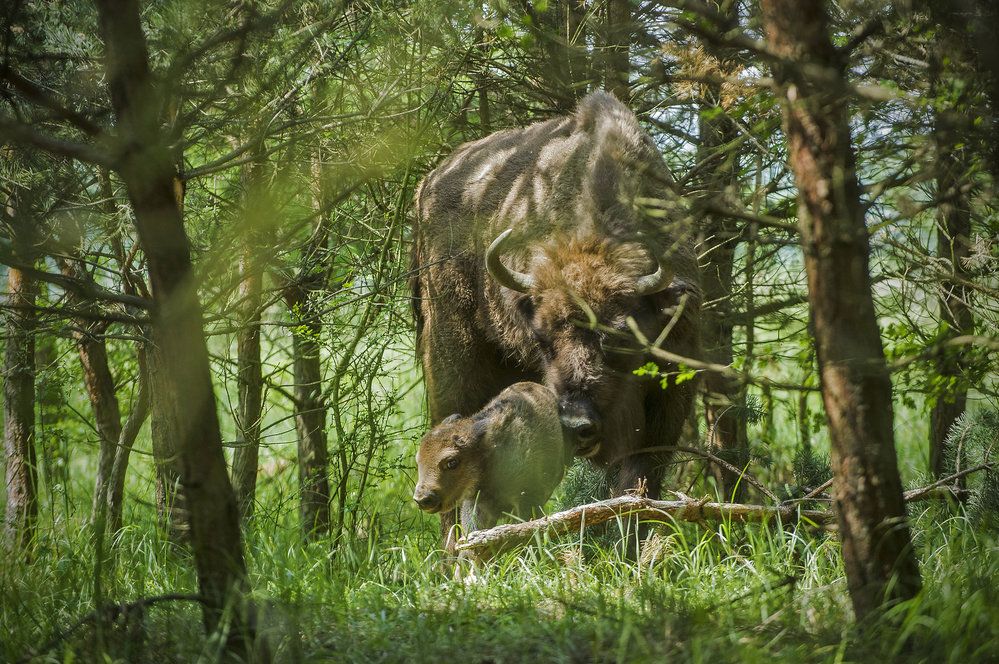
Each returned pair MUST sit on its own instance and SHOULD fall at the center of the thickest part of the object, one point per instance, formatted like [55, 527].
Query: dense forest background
[211, 392]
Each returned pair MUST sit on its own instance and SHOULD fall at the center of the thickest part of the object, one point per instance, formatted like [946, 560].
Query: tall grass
[699, 592]
[722, 592]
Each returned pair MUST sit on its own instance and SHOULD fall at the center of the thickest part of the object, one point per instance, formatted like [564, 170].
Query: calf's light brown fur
[508, 457]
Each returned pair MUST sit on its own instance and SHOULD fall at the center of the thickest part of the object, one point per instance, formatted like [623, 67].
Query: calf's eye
[451, 464]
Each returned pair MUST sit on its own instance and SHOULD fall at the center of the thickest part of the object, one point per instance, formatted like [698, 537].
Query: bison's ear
[451, 419]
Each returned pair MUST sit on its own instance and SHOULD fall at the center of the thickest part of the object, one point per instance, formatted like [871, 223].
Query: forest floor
[699, 593]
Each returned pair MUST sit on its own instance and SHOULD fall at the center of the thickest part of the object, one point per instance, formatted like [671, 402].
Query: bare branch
[13, 132]
[482, 544]
[35, 93]
[85, 289]
[929, 351]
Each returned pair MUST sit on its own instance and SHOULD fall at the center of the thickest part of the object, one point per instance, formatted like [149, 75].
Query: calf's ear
[479, 429]
[451, 419]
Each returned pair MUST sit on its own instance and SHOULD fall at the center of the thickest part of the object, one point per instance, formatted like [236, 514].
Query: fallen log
[483, 544]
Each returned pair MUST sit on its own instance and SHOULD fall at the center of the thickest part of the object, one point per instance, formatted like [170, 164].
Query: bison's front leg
[475, 515]
[638, 473]
[449, 534]
[665, 414]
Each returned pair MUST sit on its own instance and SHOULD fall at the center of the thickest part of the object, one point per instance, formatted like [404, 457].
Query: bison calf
[508, 457]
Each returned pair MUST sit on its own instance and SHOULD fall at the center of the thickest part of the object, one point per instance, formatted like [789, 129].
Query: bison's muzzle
[429, 501]
[581, 423]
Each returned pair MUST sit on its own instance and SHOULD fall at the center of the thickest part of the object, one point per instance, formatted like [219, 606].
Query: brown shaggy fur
[587, 197]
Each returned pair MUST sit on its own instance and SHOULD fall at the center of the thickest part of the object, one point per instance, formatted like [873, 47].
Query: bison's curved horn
[655, 282]
[512, 279]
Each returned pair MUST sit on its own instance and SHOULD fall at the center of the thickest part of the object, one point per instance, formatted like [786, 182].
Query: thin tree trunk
[724, 401]
[482, 83]
[310, 406]
[804, 420]
[562, 34]
[310, 414]
[149, 175]
[953, 238]
[19, 412]
[123, 449]
[617, 57]
[132, 285]
[856, 388]
[167, 411]
[100, 386]
[249, 374]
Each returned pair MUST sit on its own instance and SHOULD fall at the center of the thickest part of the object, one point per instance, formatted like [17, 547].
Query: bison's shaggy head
[580, 302]
[449, 463]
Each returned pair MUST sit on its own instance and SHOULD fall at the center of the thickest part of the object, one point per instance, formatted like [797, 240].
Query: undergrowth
[699, 593]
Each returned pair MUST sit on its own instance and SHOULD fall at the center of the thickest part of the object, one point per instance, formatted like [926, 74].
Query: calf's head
[575, 303]
[449, 462]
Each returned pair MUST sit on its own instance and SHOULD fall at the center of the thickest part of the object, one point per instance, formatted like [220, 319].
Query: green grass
[699, 593]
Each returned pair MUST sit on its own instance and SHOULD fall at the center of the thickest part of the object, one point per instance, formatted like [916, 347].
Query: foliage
[972, 441]
[300, 132]
[723, 593]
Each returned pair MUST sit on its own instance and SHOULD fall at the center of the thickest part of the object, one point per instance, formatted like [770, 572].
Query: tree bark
[973, 26]
[249, 374]
[313, 456]
[99, 383]
[146, 167]
[310, 413]
[856, 388]
[561, 31]
[19, 412]
[724, 398]
[617, 56]
[167, 415]
[310, 406]
[123, 448]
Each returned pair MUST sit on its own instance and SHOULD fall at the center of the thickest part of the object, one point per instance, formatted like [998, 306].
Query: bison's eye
[452, 463]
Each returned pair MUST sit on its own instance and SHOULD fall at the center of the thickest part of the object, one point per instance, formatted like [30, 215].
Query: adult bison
[591, 244]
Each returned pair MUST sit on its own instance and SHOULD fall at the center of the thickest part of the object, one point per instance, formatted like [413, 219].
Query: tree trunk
[310, 414]
[562, 34]
[249, 374]
[310, 406]
[19, 412]
[953, 238]
[167, 417]
[973, 26]
[856, 387]
[100, 386]
[804, 420]
[724, 400]
[617, 63]
[123, 449]
[185, 376]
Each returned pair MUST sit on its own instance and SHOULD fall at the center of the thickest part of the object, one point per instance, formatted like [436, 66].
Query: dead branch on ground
[483, 544]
